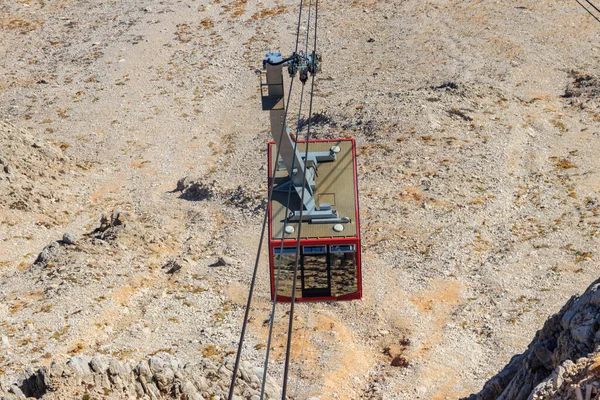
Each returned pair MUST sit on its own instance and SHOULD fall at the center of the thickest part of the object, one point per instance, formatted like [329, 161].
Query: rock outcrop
[241, 197]
[152, 378]
[560, 362]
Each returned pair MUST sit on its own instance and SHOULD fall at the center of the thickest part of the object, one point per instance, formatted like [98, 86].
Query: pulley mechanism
[296, 63]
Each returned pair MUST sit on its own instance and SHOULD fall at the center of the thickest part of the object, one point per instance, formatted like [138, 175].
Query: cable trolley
[316, 189]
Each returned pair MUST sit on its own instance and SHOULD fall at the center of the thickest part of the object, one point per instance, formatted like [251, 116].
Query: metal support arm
[302, 172]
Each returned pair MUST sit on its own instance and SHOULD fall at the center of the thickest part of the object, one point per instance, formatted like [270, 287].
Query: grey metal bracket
[302, 171]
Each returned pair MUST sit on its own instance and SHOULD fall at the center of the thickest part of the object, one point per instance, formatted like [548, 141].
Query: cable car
[314, 201]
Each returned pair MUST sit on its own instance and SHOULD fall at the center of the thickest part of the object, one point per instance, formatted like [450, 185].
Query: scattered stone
[17, 392]
[110, 228]
[118, 218]
[447, 85]
[46, 253]
[98, 365]
[80, 364]
[197, 189]
[558, 377]
[164, 379]
[116, 368]
[69, 238]
[172, 267]
[583, 85]
[28, 170]
[223, 261]
[143, 370]
[399, 361]
[241, 197]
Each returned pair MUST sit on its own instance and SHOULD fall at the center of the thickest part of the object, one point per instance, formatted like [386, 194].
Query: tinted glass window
[287, 258]
[321, 273]
[315, 275]
[343, 270]
[344, 248]
[315, 249]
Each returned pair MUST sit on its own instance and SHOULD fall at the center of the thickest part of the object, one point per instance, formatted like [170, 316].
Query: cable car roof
[335, 186]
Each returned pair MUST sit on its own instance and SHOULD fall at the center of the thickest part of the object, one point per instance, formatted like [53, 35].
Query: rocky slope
[152, 378]
[476, 125]
[31, 170]
[560, 361]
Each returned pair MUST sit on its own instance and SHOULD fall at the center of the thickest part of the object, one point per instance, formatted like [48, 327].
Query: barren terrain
[476, 124]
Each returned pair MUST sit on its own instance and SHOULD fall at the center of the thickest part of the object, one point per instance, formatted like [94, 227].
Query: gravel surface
[476, 125]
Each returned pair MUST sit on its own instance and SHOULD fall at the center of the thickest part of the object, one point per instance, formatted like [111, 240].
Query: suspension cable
[261, 241]
[586, 9]
[592, 4]
[279, 261]
[277, 281]
[307, 30]
[256, 262]
[298, 27]
[295, 279]
[309, 308]
[293, 302]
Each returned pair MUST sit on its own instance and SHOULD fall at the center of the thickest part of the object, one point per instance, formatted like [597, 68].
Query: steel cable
[309, 305]
[295, 278]
[293, 301]
[277, 279]
[307, 30]
[586, 9]
[261, 241]
[592, 4]
[298, 26]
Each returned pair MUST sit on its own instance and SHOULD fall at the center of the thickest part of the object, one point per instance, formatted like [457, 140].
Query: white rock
[69, 238]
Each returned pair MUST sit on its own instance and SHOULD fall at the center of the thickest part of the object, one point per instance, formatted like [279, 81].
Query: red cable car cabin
[329, 259]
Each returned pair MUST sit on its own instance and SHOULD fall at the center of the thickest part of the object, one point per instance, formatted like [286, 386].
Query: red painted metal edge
[273, 243]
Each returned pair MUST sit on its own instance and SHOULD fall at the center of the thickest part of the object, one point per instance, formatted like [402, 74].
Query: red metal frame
[276, 243]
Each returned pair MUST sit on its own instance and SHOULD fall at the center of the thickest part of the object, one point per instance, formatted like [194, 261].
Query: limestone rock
[223, 261]
[80, 364]
[570, 335]
[69, 238]
[98, 365]
[152, 378]
[46, 253]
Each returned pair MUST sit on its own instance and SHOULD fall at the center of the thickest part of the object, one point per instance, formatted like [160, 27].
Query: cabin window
[342, 259]
[287, 258]
[315, 249]
[323, 271]
[315, 272]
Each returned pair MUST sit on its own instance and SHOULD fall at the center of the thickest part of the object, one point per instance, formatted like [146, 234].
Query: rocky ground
[476, 125]
[153, 378]
[562, 360]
